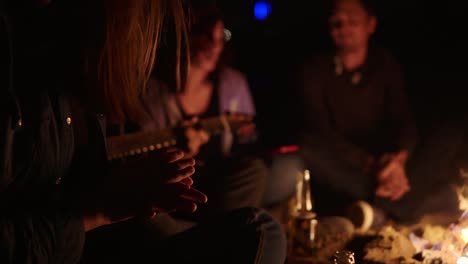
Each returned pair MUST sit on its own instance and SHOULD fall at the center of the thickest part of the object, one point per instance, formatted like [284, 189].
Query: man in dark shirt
[358, 128]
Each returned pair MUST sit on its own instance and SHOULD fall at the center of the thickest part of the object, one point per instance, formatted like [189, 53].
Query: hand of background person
[399, 157]
[391, 177]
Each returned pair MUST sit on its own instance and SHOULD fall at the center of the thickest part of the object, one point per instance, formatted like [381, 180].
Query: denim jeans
[230, 184]
[281, 181]
[245, 235]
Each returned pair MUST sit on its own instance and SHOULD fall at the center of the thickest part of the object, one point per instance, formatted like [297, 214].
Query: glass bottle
[303, 222]
[303, 194]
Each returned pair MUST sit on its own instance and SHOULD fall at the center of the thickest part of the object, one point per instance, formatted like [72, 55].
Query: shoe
[365, 217]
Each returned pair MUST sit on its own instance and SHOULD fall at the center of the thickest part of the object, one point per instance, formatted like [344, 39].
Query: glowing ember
[462, 191]
[448, 245]
[464, 215]
[464, 235]
[462, 260]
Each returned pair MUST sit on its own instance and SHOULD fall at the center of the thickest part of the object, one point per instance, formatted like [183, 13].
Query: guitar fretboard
[142, 142]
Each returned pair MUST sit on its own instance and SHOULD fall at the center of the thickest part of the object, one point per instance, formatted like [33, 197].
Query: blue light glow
[262, 10]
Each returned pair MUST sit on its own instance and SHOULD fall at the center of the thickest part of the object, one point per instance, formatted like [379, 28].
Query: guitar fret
[119, 147]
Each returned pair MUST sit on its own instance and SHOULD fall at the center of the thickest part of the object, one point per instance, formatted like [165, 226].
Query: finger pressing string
[184, 163]
[174, 156]
[194, 195]
[182, 174]
[187, 181]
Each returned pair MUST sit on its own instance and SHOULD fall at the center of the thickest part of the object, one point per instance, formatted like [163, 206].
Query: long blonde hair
[127, 52]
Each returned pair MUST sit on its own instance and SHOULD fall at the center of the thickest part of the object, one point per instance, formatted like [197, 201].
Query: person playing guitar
[230, 177]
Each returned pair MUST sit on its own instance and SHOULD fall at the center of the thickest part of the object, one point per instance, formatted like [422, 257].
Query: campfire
[450, 245]
[421, 243]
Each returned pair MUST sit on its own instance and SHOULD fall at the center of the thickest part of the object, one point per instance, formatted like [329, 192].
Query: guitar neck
[137, 143]
[141, 142]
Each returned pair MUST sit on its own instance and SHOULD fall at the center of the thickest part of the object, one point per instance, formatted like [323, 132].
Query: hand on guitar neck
[194, 137]
[195, 134]
[190, 135]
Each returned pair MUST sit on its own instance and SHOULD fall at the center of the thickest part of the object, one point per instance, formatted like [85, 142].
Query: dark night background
[428, 39]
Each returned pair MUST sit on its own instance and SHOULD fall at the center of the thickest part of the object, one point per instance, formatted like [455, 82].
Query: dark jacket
[37, 150]
[36, 153]
[359, 120]
[350, 117]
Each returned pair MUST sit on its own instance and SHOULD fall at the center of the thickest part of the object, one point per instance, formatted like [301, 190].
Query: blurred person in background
[359, 136]
[227, 169]
[358, 129]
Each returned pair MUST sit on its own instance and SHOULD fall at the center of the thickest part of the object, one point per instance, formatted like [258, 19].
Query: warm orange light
[462, 260]
[464, 235]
